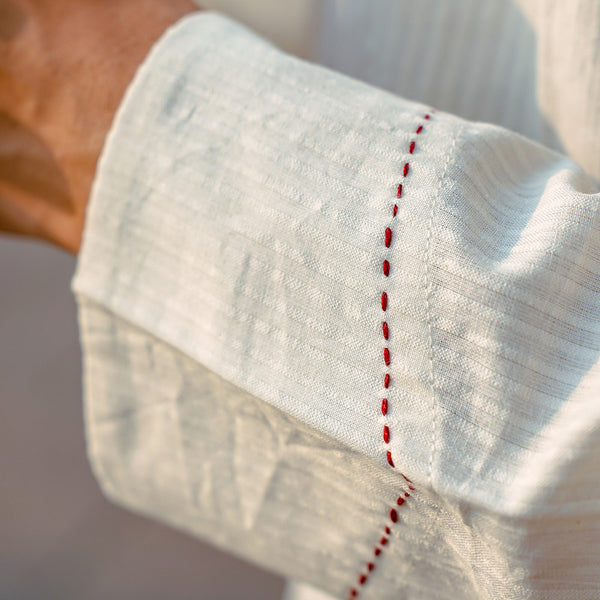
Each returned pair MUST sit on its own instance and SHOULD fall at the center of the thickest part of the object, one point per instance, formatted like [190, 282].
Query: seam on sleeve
[450, 154]
[388, 234]
[387, 532]
[387, 240]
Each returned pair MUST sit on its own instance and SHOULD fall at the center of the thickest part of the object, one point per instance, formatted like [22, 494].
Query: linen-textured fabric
[532, 66]
[230, 292]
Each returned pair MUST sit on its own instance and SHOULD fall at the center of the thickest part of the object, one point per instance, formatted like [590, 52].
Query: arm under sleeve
[341, 334]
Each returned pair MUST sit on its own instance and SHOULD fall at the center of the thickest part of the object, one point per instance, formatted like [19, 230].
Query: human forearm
[64, 66]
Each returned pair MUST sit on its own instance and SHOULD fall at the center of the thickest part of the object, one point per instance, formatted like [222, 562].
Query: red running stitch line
[394, 517]
[387, 240]
[383, 541]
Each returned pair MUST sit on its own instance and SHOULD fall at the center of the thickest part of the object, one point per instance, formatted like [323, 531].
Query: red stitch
[400, 501]
[363, 578]
[410, 487]
[386, 268]
[388, 237]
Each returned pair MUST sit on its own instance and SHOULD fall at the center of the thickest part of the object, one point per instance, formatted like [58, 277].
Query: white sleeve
[343, 335]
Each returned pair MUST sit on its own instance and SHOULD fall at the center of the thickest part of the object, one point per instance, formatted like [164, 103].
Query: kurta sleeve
[345, 336]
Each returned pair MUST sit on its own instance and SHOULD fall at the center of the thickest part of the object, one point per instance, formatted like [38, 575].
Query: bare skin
[64, 66]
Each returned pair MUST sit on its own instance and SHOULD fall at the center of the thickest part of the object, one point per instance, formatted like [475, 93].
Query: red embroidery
[384, 301]
[386, 268]
[386, 331]
[401, 500]
[388, 234]
[410, 487]
[377, 550]
[388, 237]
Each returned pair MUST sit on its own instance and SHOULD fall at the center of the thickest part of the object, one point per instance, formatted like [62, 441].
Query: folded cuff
[394, 277]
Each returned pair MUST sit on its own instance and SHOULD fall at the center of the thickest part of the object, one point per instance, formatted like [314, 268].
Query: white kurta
[349, 337]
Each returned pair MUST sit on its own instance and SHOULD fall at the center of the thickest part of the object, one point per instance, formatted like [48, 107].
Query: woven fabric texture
[233, 291]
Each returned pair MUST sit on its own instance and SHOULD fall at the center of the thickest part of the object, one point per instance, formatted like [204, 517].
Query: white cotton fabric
[174, 441]
[532, 66]
[229, 288]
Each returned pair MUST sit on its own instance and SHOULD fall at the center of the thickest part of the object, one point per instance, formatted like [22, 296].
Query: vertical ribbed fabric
[244, 205]
[528, 65]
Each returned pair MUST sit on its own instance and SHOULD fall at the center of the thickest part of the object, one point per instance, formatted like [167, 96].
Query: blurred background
[59, 537]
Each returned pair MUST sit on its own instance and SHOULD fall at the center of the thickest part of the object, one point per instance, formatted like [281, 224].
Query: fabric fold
[416, 293]
[252, 238]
